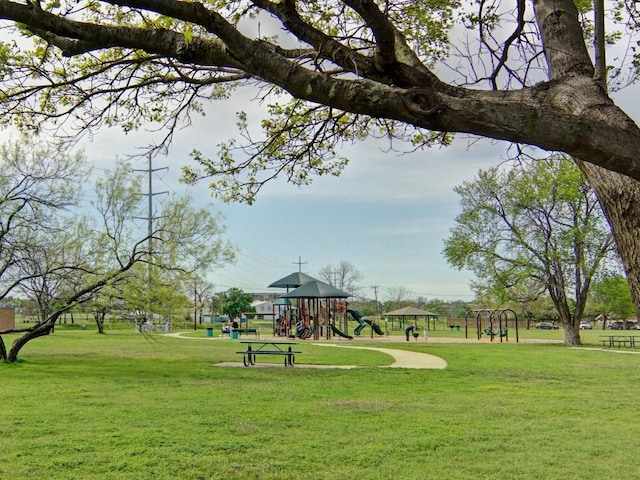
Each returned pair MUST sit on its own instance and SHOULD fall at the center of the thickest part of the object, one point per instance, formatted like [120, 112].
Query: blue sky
[387, 214]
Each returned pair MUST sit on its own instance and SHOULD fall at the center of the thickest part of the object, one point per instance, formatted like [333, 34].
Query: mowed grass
[127, 406]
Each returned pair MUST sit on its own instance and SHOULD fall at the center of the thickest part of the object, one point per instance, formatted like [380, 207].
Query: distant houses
[263, 308]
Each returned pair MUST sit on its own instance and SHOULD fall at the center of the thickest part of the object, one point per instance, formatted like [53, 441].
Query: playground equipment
[363, 322]
[340, 333]
[496, 323]
[502, 333]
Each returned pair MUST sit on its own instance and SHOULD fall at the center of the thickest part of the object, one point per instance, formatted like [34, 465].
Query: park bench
[243, 331]
[247, 331]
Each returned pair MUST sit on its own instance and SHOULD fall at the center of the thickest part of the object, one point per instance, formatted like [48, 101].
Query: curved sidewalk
[402, 358]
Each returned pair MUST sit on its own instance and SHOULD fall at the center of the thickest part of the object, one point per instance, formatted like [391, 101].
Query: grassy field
[127, 406]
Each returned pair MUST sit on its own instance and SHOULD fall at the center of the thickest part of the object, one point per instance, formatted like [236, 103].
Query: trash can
[234, 334]
[457, 328]
[209, 331]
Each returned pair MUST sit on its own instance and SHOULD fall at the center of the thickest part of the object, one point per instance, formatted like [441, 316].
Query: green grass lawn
[126, 406]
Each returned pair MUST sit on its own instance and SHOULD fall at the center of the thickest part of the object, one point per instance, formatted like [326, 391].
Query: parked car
[616, 326]
[546, 326]
[584, 325]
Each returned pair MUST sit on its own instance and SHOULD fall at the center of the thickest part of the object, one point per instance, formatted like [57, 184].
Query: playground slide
[358, 329]
[356, 314]
[340, 333]
[375, 326]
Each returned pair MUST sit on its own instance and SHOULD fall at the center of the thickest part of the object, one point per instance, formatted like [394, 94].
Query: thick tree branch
[158, 41]
[550, 116]
[563, 38]
[324, 45]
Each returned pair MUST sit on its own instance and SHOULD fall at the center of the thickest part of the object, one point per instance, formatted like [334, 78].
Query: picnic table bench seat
[244, 331]
[621, 340]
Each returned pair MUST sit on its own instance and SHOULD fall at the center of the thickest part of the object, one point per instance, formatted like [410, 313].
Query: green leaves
[299, 141]
[531, 228]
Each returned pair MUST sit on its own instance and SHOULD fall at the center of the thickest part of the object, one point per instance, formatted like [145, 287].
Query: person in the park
[407, 331]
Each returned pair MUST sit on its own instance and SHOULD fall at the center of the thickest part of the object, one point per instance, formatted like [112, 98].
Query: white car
[585, 326]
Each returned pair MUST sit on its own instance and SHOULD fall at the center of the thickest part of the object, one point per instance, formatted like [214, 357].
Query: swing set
[492, 323]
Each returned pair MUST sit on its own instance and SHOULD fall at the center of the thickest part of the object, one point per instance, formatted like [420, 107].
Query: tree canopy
[335, 71]
[611, 298]
[344, 276]
[537, 229]
[235, 302]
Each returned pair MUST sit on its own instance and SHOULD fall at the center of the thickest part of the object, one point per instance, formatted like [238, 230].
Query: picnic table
[268, 347]
[625, 340]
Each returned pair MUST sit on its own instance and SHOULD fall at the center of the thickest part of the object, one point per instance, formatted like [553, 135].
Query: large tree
[336, 71]
[184, 241]
[539, 225]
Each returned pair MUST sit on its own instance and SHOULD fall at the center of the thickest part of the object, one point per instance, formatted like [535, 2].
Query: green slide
[375, 326]
[358, 329]
[340, 333]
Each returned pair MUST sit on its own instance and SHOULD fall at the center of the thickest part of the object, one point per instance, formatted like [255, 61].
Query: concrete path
[402, 358]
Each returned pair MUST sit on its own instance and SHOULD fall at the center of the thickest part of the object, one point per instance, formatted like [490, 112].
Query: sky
[387, 214]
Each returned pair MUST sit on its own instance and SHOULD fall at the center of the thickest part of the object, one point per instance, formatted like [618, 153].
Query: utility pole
[300, 263]
[150, 217]
[150, 170]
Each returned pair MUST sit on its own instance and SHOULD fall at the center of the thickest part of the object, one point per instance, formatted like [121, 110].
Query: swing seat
[496, 333]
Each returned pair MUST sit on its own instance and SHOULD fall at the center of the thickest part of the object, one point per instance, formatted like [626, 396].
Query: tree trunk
[39, 331]
[99, 317]
[620, 199]
[3, 350]
[565, 315]
[571, 334]
[569, 61]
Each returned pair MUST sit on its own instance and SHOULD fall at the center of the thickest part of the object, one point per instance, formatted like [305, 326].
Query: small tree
[538, 226]
[611, 297]
[202, 292]
[235, 301]
[397, 297]
[108, 300]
